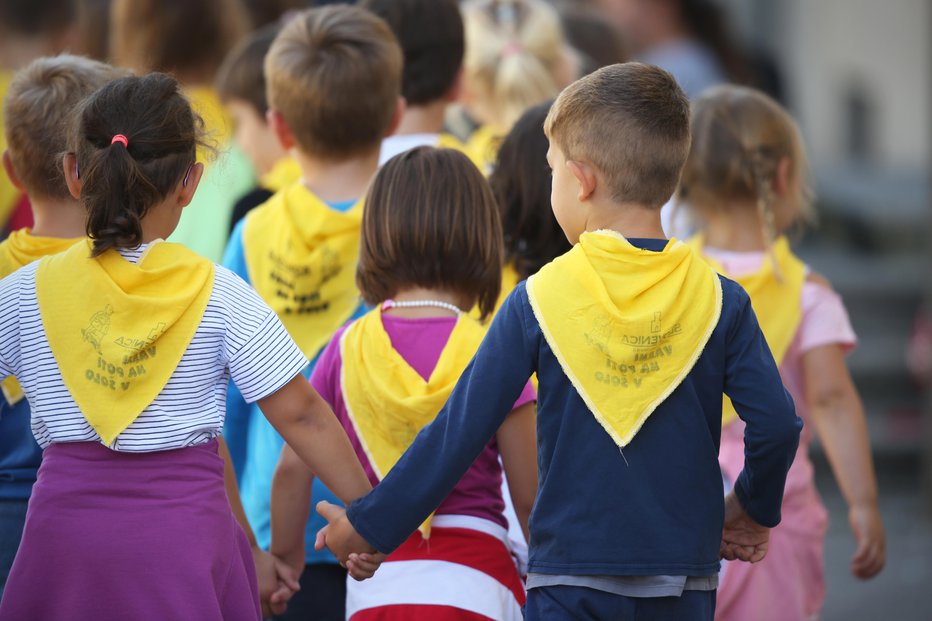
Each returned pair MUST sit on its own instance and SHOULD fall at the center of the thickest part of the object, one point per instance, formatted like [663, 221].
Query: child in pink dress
[745, 180]
[431, 249]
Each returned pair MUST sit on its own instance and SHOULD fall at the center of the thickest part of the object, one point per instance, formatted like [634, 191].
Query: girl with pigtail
[516, 57]
[124, 346]
[745, 183]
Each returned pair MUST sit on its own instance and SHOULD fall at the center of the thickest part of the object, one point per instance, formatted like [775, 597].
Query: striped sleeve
[9, 323]
[261, 355]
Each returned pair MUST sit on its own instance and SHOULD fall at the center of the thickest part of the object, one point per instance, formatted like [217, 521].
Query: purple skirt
[148, 537]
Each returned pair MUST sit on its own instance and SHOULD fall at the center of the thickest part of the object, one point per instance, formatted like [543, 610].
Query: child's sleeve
[444, 450]
[9, 324]
[772, 428]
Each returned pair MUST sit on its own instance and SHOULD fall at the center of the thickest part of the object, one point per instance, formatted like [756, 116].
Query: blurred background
[857, 75]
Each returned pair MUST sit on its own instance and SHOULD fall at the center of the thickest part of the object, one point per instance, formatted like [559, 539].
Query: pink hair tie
[121, 139]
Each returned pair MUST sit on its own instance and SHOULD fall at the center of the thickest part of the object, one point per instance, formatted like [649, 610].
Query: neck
[338, 181]
[416, 294]
[62, 218]
[630, 220]
[426, 119]
[735, 227]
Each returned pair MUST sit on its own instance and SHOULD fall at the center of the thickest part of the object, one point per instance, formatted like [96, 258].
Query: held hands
[277, 582]
[743, 539]
[360, 559]
[868, 530]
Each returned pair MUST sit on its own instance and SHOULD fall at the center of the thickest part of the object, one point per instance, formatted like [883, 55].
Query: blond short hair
[631, 122]
[334, 74]
[37, 112]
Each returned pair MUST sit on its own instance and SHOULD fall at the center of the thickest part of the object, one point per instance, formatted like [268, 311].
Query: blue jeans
[570, 603]
[12, 519]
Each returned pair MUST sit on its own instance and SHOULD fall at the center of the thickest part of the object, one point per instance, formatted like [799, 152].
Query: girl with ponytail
[124, 346]
[745, 180]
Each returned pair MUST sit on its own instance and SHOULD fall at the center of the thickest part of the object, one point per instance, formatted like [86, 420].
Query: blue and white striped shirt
[239, 337]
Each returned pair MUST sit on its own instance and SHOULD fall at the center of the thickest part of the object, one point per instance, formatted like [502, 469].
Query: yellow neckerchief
[283, 173]
[9, 193]
[776, 296]
[19, 249]
[449, 141]
[387, 401]
[484, 144]
[626, 324]
[206, 103]
[118, 330]
[301, 257]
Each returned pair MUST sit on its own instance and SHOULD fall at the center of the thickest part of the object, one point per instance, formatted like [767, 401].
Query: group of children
[528, 352]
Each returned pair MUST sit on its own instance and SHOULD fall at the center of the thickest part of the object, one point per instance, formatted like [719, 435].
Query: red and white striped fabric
[464, 572]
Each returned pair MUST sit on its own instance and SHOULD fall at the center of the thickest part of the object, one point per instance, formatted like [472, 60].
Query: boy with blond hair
[36, 110]
[633, 339]
[333, 79]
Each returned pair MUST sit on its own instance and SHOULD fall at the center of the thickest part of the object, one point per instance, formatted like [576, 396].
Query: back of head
[740, 136]
[521, 183]
[36, 18]
[515, 56]
[242, 74]
[431, 222]
[188, 38]
[431, 36]
[119, 184]
[631, 122]
[37, 109]
[334, 74]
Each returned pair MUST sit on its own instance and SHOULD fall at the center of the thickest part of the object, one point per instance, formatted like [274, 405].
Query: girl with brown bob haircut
[431, 249]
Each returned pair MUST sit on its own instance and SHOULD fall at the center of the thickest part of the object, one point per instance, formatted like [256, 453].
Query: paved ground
[903, 591]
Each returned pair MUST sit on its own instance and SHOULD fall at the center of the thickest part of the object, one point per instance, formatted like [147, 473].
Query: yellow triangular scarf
[484, 144]
[19, 249]
[118, 330]
[284, 173]
[776, 296]
[627, 325]
[388, 401]
[301, 256]
[206, 103]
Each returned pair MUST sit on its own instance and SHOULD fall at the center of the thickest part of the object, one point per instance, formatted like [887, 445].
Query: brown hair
[37, 109]
[631, 122]
[121, 183]
[431, 36]
[241, 76]
[431, 221]
[182, 37]
[740, 135]
[334, 74]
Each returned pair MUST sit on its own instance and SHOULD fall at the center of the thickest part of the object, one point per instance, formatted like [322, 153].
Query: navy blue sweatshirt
[656, 509]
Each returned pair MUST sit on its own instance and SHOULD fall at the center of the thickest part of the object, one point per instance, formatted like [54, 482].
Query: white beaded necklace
[422, 304]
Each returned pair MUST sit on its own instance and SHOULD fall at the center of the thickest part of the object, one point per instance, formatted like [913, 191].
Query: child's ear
[189, 184]
[11, 172]
[72, 176]
[396, 118]
[280, 127]
[585, 176]
[782, 177]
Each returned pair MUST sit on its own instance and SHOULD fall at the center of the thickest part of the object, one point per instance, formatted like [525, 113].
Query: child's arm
[444, 450]
[771, 434]
[517, 443]
[291, 506]
[838, 417]
[306, 423]
[277, 582]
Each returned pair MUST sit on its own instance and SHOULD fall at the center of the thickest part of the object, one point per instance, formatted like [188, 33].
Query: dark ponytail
[121, 183]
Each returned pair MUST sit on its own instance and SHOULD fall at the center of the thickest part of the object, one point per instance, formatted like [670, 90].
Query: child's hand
[353, 552]
[871, 554]
[277, 582]
[743, 539]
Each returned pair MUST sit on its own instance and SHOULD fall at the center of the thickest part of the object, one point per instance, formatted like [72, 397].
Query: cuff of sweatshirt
[356, 516]
[757, 509]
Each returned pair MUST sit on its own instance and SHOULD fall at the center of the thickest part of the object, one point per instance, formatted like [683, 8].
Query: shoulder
[23, 276]
[815, 278]
[233, 293]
